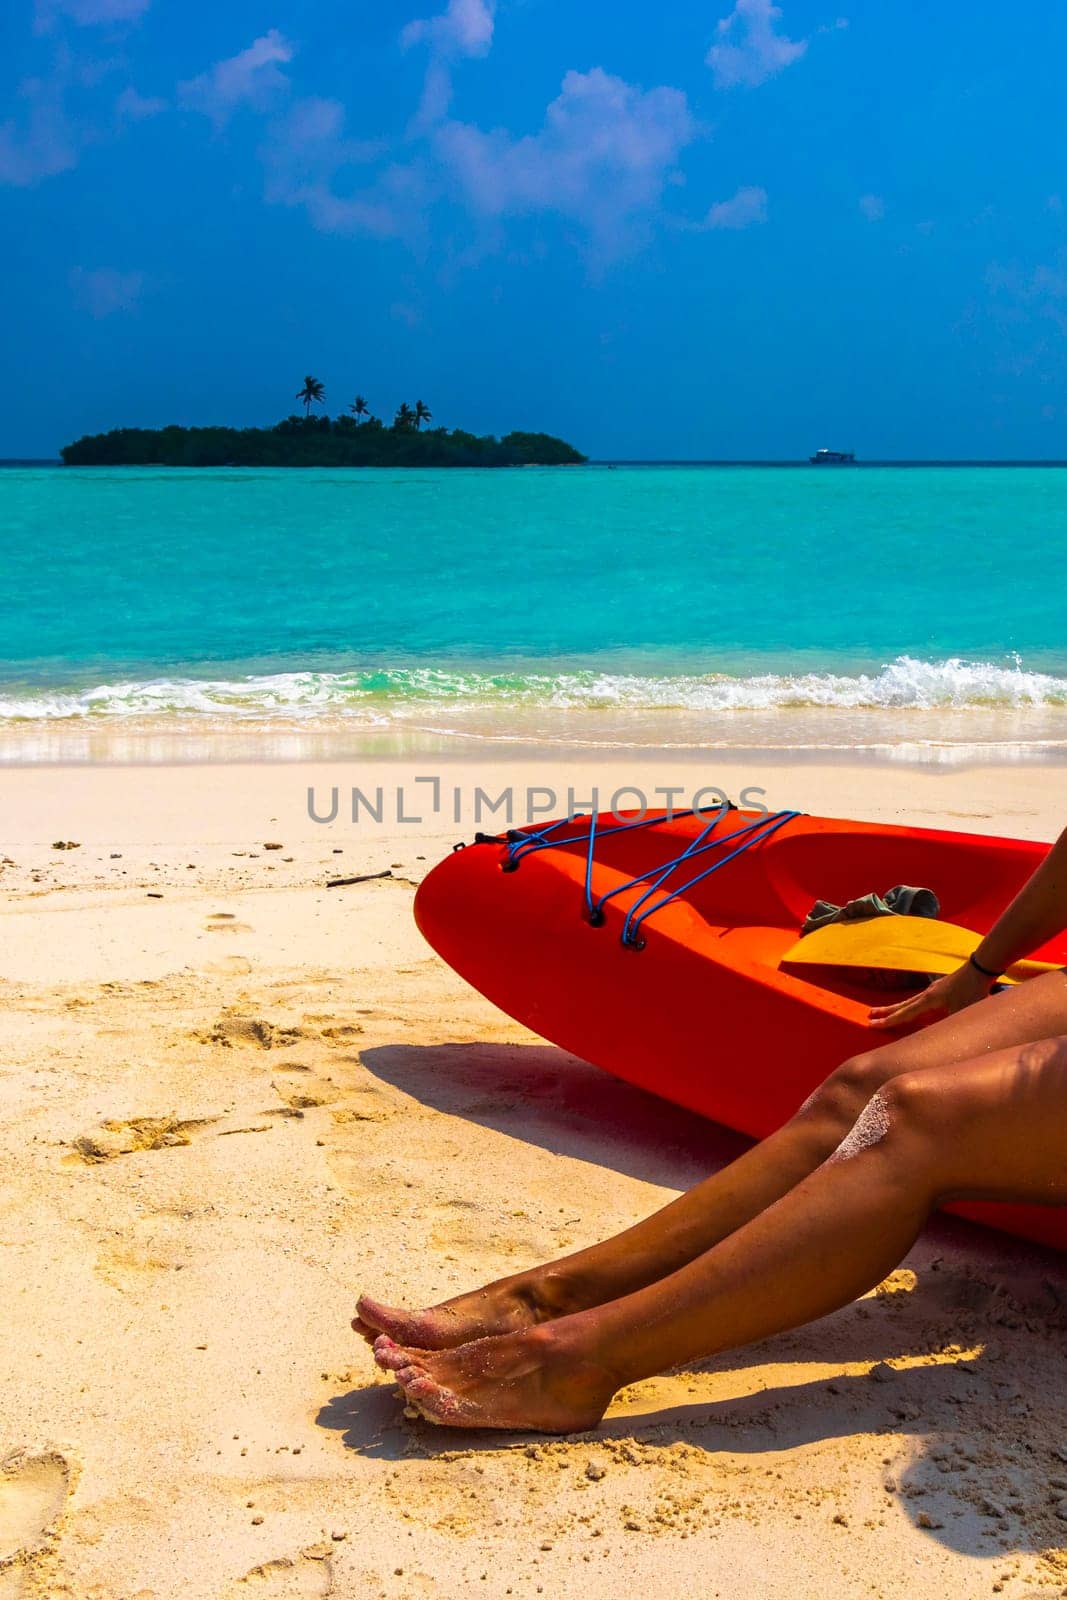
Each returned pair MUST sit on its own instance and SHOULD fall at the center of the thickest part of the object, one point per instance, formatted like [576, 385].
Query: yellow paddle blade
[898, 944]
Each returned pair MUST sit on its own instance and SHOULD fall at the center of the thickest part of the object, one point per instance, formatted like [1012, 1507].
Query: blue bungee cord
[750, 833]
[521, 843]
[658, 873]
[756, 832]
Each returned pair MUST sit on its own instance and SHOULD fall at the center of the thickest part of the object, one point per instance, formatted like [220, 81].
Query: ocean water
[686, 607]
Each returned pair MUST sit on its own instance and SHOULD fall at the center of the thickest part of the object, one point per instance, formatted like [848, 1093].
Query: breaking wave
[383, 697]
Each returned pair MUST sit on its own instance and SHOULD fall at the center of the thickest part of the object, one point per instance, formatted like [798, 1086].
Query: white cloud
[872, 206]
[63, 111]
[44, 140]
[103, 291]
[436, 97]
[134, 107]
[387, 209]
[253, 78]
[1038, 285]
[743, 209]
[307, 152]
[1020, 324]
[750, 50]
[464, 28]
[88, 13]
[602, 157]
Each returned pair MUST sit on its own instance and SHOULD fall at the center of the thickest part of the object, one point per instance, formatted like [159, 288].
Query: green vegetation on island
[355, 439]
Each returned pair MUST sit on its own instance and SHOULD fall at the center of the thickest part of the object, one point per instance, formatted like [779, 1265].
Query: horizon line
[660, 461]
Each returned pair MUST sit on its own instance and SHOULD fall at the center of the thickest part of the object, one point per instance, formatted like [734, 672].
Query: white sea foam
[386, 696]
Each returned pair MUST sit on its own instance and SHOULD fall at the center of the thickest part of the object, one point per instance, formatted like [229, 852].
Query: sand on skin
[225, 1110]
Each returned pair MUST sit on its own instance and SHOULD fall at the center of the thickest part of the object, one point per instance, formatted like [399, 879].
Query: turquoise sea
[918, 607]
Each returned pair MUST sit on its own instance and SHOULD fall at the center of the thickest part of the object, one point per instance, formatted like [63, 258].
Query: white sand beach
[231, 1098]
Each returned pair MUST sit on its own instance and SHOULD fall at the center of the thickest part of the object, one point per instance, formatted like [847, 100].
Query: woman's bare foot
[507, 1306]
[531, 1380]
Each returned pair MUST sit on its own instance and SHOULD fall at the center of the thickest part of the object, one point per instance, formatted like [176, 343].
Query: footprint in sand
[236, 1031]
[123, 1138]
[457, 1225]
[117, 1267]
[33, 1492]
[306, 1096]
[289, 1578]
[229, 967]
[225, 922]
[453, 1500]
[368, 1105]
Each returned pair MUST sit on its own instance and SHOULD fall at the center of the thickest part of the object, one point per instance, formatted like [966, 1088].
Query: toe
[435, 1403]
[375, 1314]
[391, 1358]
[416, 1383]
[383, 1318]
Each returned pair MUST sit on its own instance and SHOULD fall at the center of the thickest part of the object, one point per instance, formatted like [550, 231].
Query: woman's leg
[712, 1210]
[993, 1128]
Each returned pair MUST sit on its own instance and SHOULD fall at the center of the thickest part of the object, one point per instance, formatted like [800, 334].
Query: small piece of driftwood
[364, 877]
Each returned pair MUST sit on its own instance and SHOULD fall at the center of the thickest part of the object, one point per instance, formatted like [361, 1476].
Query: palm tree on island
[313, 393]
[339, 441]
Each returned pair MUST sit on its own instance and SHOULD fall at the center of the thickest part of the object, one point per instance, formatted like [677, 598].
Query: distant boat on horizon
[833, 458]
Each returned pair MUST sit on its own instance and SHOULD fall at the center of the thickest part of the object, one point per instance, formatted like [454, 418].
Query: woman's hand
[944, 996]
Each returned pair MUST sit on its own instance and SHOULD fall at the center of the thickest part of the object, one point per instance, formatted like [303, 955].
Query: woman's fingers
[945, 995]
[903, 1011]
[912, 1005]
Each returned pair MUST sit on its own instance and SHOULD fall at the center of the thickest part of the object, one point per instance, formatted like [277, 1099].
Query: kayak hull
[702, 1014]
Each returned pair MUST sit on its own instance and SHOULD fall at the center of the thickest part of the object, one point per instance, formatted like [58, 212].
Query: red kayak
[651, 946]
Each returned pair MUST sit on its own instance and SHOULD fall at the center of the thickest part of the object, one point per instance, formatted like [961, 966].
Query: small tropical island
[357, 438]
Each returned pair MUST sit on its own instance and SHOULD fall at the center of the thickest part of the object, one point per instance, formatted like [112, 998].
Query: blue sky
[685, 230]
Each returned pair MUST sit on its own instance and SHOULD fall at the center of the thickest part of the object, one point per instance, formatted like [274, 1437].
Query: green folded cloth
[900, 901]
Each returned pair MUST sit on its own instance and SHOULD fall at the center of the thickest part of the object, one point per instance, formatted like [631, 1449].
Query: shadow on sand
[546, 1097]
[971, 1284]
